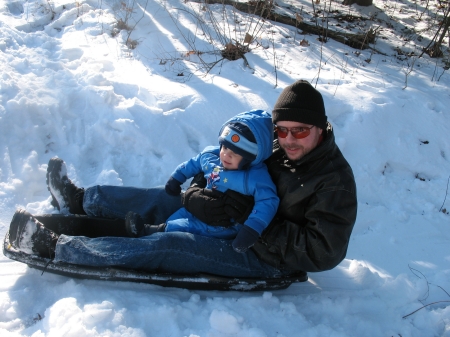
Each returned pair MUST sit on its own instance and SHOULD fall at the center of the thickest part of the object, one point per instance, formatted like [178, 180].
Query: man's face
[297, 148]
[230, 160]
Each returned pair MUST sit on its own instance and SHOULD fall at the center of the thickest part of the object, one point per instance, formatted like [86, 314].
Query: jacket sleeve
[320, 243]
[264, 192]
[190, 168]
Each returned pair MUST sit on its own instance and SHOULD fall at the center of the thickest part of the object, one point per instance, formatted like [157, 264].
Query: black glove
[199, 180]
[238, 206]
[245, 239]
[173, 187]
[206, 205]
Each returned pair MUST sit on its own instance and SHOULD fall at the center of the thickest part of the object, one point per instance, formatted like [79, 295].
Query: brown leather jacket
[317, 210]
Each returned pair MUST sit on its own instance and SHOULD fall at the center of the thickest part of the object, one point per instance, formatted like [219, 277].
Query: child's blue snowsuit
[254, 181]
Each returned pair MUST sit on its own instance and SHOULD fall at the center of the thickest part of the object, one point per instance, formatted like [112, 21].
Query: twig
[428, 291]
[426, 7]
[274, 60]
[409, 72]
[443, 71]
[213, 64]
[139, 20]
[424, 307]
[428, 283]
[448, 180]
[322, 41]
[246, 62]
[444, 290]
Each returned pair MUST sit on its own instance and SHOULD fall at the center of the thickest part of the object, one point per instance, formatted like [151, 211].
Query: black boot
[30, 236]
[136, 227]
[152, 229]
[65, 195]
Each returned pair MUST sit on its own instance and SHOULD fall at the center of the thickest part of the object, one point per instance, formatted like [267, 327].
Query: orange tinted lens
[300, 134]
[282, 133]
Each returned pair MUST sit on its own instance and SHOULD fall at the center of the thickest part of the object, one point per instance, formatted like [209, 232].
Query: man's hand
[238, 206]
[216, 208]
[199, 180]
[245, 239]
[207, 205]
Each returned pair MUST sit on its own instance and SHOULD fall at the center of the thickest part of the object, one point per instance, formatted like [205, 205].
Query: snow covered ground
[129, 117]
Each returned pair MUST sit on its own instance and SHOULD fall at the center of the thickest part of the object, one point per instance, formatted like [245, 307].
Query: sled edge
[191, 282]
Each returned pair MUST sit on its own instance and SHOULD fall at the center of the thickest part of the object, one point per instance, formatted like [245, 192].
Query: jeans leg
[183, 221]
[175, 252]
[154, 205]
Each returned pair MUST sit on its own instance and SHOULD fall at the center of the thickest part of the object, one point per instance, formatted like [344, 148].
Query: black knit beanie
[300, 102]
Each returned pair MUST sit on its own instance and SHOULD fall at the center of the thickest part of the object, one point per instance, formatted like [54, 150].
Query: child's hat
[238, 138]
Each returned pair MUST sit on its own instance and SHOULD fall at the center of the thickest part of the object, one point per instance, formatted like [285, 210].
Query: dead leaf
[193, 52]
[248, 38]
[304, 43]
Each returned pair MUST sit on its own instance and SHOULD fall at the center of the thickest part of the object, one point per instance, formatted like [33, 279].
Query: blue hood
[260, 124]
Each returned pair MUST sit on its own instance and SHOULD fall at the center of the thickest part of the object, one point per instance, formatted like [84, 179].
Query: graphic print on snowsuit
[214, 178]
[254, 181]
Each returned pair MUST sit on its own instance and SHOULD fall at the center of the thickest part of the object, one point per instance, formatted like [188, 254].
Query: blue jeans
[154, 205]
[183, 221]
[173, 252]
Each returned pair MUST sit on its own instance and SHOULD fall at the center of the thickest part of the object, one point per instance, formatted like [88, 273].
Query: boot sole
[55, 166]
[19, 228]
[130, 221]
[17, 225]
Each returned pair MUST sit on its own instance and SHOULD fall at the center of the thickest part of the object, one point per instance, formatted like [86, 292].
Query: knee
[89, 204]
[172, 240]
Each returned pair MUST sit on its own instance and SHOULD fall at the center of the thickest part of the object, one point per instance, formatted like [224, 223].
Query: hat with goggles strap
[239, 139]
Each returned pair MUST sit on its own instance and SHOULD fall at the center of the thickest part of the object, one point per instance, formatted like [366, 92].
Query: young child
[237, 164]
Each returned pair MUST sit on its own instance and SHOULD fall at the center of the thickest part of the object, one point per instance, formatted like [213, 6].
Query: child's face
[229, 159]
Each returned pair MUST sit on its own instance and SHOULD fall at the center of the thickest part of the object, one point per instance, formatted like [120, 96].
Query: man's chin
[294, 154]
[297, 154]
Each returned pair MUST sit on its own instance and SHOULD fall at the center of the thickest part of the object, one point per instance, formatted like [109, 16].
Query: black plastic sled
[97, 227]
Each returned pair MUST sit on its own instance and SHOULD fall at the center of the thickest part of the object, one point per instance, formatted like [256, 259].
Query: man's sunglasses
[297, 133]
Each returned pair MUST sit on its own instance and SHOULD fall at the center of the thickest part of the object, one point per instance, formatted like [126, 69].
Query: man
[315, 184]
[310, 231]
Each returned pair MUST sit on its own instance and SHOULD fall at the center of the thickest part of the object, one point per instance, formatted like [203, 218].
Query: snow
[126, 117]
